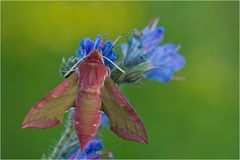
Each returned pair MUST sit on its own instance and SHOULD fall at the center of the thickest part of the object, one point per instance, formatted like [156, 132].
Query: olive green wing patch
[123, 119]
[50, 110]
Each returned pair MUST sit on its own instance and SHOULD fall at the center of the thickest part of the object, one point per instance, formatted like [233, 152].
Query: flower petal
[167, 56]
[157, 56]
[112, 56]
[80, 53]
[94, 146]
[90, 151]
[160, 74]
[151, 38]
[86, 45]
[80, 155]
[107, 51]
[178, 62]
[107, 48]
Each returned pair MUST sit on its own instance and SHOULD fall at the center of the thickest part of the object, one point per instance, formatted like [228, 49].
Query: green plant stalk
[64, 139]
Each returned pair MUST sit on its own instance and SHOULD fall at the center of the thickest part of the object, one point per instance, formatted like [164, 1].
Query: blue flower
[164, 61]
[107, 49]
[144, 57]
[141, 45]
[90, 152]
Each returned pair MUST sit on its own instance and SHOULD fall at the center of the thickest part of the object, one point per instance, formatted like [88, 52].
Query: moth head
[94, 57]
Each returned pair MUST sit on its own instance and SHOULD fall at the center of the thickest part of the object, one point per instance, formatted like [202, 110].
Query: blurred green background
[195, 118]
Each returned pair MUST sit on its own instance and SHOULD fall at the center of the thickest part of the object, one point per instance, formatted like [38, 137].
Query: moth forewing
[50, 110]
[123, 119]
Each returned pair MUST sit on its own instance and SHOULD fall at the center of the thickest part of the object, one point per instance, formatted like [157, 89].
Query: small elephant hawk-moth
[90, 90]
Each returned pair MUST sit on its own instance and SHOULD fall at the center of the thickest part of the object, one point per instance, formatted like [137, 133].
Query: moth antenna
[117, 39]
[74, 66]
[113, 44]
[114, 64]
[102, 44]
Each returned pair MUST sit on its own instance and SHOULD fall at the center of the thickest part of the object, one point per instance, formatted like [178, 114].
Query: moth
[90, 90]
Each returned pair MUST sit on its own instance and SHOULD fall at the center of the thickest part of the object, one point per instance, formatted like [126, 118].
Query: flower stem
[63, 139]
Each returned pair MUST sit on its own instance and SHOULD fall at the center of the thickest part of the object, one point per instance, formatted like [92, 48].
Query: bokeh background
[195, 118]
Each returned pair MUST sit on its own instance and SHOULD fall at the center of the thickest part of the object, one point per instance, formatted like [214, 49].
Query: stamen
[103, 41]
[178, 47]
[116, 40]
[153, 23]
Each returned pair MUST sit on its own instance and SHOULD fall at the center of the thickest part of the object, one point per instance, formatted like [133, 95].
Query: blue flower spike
[146, 58]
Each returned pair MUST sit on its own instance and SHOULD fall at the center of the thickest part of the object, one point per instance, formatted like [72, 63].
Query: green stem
[63, 139]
